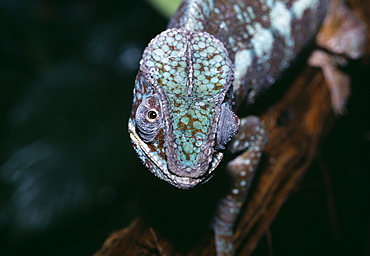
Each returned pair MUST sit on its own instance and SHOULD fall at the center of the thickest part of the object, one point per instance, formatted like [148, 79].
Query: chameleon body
[215, 56]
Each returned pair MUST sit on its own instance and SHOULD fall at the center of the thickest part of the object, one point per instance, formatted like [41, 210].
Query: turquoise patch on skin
[197, 125]
[166, 74]
[188, 133]
[188, 148]
[188, 163]
[185, 120]
[200, 135]
[214, 80]
[198, 143]
[150, 63]
[170, 40]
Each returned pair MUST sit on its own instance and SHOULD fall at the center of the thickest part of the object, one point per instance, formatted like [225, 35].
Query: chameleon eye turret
[183, 88]
[148, 118]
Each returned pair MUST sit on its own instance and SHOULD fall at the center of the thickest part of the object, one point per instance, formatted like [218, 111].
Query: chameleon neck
[192, 14]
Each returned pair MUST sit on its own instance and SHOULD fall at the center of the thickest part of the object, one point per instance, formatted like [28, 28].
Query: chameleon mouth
[184, 182]
[186, 179]
[160, 168]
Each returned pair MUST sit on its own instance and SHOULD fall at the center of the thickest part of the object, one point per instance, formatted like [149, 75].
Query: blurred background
[68, 174]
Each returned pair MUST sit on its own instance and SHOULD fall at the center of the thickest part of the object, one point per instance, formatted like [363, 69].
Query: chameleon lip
[173, 179]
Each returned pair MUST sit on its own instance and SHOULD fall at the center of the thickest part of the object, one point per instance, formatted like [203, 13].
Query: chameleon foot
[252, 137]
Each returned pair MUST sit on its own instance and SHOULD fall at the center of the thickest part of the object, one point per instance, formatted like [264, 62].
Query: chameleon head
[181, 116]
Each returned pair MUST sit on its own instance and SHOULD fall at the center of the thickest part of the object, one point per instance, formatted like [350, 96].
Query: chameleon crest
[181, 117]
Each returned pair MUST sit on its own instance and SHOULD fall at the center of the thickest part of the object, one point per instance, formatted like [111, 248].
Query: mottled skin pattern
[215, 56]
[261, 37]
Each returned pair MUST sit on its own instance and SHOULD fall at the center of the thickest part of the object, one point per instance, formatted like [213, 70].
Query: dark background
[68, 174]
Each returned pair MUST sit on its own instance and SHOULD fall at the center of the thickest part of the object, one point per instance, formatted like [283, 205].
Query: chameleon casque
[215, 56]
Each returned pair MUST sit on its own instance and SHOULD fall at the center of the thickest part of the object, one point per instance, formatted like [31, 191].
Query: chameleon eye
[148, 118]
[152, 115]
[228, 126]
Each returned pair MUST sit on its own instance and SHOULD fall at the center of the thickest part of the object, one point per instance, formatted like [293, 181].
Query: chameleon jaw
[160, 169]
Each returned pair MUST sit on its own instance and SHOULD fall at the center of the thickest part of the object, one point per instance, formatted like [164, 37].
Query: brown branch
[291, 149]
[296, 123]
